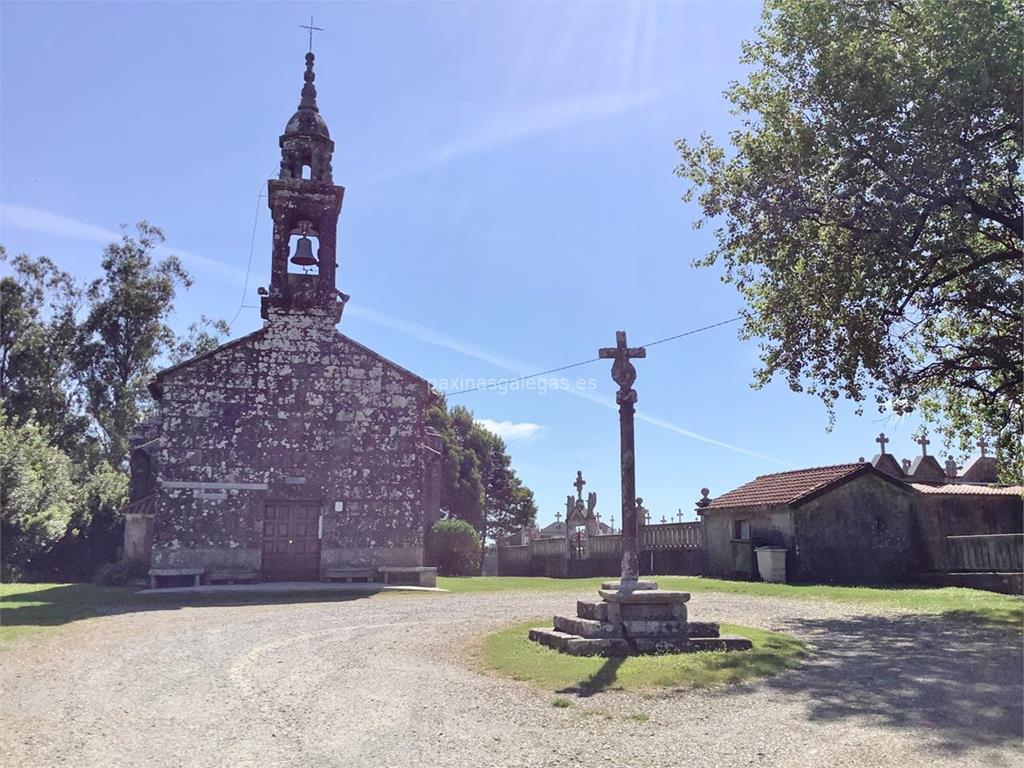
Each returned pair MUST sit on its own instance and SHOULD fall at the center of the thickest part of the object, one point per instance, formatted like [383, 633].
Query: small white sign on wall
[339, 506]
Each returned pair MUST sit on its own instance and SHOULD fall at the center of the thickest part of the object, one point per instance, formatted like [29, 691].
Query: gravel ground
[383, 681]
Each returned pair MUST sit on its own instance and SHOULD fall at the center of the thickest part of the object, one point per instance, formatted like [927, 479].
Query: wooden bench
[232, 576]
[354, 574]
[155, 574]
[415, 575]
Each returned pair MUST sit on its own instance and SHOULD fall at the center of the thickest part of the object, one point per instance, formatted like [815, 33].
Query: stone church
[293, 453]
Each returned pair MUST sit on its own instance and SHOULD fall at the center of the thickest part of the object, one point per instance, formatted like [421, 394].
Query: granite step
[592, 610]
[609, 646]
[584, 627]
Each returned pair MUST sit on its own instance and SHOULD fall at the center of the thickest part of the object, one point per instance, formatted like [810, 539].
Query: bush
[454, 547]
[122, 574]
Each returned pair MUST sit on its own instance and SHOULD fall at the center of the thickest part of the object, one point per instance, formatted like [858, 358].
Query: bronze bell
[304, 253]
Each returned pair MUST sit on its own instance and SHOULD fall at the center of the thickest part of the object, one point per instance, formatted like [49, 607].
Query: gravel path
[381, 682]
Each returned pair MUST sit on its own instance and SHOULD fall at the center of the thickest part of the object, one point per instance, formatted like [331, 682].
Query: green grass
[955, 601]
[510, 653]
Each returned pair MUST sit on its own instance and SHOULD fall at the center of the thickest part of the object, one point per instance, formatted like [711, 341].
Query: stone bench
[415, 575]
[232, 576]
[155, 574]
[353, 574]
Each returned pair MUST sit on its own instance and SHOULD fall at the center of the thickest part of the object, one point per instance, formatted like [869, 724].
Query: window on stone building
[741, 530]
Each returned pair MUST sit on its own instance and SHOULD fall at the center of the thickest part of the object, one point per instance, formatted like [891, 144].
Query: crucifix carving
[624, 374]
[578, 485]
[311, 28]
[882, 440]
[924, 442]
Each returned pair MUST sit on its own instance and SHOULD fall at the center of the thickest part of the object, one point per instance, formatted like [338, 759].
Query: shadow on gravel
[65, 603]
[601, 680]
[957, 680]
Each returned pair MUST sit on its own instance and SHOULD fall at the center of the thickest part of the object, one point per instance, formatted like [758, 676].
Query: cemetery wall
[942, 515]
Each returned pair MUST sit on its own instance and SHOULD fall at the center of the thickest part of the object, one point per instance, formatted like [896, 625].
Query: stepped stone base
[638, 619]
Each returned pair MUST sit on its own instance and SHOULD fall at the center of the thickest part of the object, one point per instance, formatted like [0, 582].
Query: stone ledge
[644, 596]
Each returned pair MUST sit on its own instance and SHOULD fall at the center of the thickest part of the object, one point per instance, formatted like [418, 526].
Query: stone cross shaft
[578, 485]
[624, 374]
[982, 444]
[882, 440]
[924, 442]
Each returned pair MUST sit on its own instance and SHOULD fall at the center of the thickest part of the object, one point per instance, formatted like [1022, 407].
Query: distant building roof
[967, 489]
[791, 487]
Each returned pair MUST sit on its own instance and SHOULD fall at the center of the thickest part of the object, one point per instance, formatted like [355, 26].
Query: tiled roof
[142, 506]
[785, 487]
[966, 489]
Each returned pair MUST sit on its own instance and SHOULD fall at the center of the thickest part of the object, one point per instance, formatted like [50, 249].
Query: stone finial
[704, 500]
[906, 465]
[308, 100]
[860, 459]
[663, 520]
[951, 467]
[881, 440]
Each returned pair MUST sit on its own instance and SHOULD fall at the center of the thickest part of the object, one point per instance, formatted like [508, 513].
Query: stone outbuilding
[848, 523]
[295, 451]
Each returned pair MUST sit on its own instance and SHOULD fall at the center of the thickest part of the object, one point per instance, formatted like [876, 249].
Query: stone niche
[637, 619]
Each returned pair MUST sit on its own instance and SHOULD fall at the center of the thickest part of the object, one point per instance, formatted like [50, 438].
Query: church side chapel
[293, 453]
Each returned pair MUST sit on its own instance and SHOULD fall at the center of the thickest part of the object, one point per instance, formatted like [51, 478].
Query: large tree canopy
[869, 209]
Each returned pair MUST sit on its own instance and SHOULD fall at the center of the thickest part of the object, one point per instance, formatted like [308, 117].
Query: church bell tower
[305, 205]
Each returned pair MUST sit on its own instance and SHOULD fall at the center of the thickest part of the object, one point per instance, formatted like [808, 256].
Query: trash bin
[771, 563]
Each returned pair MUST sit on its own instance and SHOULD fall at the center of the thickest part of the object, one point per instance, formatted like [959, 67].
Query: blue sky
[510, 203]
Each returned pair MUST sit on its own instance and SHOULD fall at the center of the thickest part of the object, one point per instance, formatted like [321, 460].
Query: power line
[252, 245]
[504, 382]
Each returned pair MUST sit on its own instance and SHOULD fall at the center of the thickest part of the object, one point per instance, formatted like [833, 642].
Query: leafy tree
[38, 306]
[478, 483]
[38, 495]
[201, 337]
[125, 333]
[454, 547]
[870, 208]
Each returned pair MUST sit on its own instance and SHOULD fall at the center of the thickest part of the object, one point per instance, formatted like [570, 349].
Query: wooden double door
[291, 541]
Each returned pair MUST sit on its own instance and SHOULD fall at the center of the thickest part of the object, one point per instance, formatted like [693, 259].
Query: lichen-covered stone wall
[294, 411]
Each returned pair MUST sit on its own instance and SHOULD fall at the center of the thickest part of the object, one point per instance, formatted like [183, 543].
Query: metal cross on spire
[311, 28]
